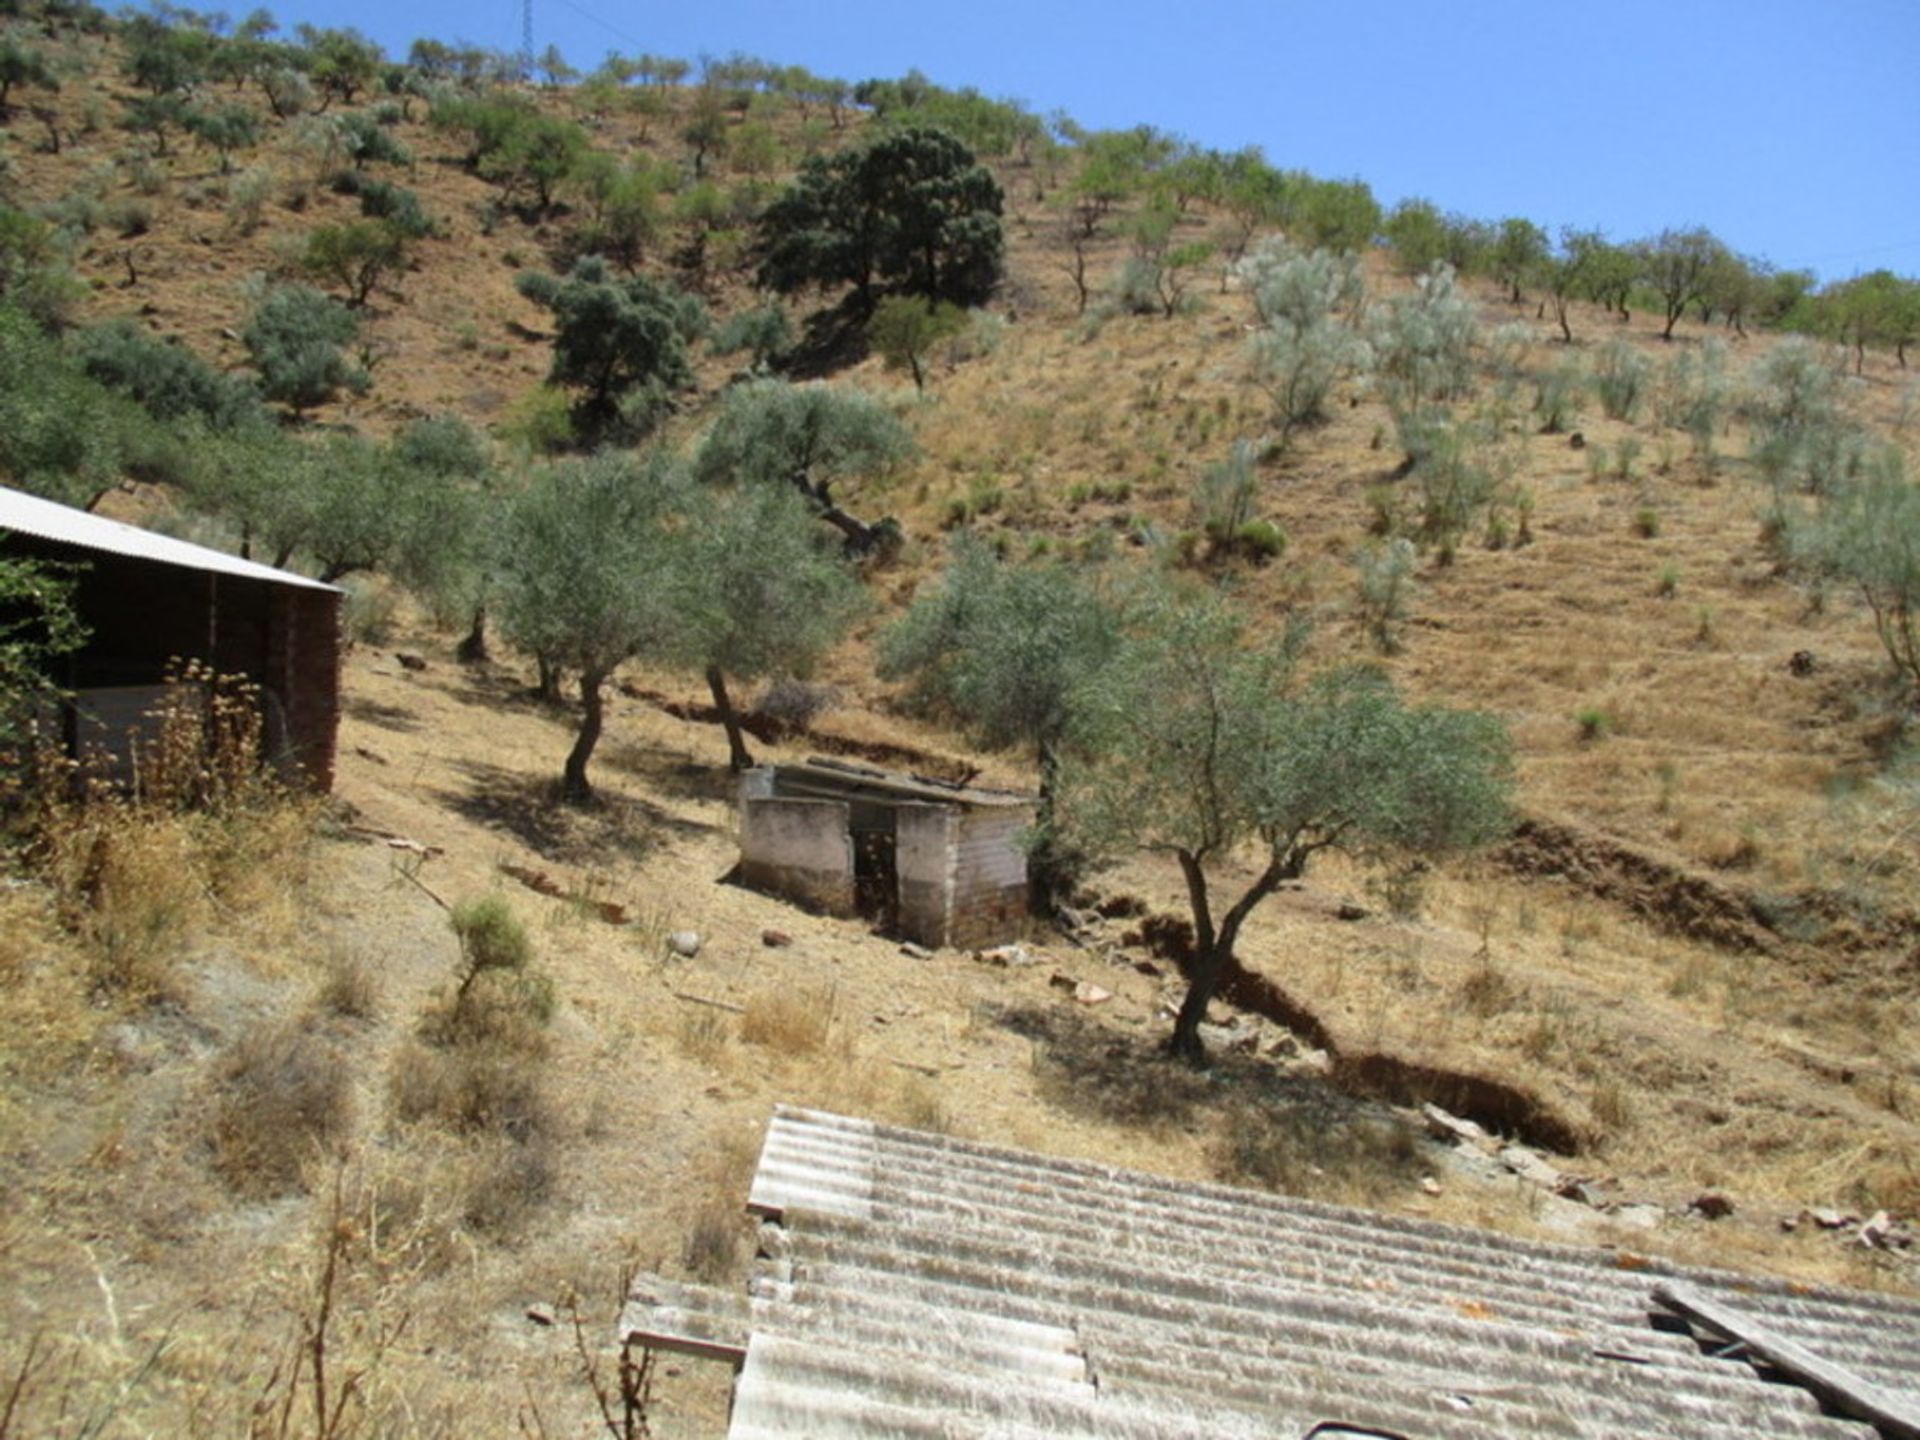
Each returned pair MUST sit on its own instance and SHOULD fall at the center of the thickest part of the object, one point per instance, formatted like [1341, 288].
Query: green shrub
[1260, 540]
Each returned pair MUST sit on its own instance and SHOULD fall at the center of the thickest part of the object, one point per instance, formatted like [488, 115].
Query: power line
[606, 25]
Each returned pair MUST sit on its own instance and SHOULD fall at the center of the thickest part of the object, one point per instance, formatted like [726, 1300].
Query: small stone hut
[937, 862]
[150, 600]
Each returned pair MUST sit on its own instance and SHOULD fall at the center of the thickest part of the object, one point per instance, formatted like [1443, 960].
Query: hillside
[1694, 970]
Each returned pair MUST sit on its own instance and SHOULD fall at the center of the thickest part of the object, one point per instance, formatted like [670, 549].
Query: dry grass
[791, 1021]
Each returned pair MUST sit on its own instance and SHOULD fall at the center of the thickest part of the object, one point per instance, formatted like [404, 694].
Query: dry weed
[283, 1097]
[792, 1021]
[1314, 1150]
[347, 987]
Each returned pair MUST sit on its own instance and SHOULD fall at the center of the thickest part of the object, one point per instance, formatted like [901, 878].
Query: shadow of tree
[529, 808]
[388, 717]
[671, 772]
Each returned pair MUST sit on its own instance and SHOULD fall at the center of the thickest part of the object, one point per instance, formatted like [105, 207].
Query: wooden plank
[1897, 1417]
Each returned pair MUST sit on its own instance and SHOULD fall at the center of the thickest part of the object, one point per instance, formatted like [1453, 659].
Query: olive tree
[1867, 535]
[294, 339]
[809, 437]
[763, 595]
[1005, 650]
[1197, 743]
[1680, 265]
[1306, 301]
[586, 579]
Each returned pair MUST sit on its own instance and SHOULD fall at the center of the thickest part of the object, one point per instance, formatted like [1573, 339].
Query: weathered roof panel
[823, 777]
[47, 520]
[913, 1284]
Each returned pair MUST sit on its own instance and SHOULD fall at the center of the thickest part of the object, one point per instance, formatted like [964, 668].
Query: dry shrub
[283, 1096]
[472, 1073]
[128, 883]
[1612, 1106]
[703, 1034]
[469, 1089]
[717, 1224]
[916, 1104]
[347, 987]
[790, 1021]
[135, 857]
[1315, 1150]
[1487, 992]
[710, 1250]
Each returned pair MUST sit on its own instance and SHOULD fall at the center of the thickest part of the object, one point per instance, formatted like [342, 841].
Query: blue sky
[1792, 130]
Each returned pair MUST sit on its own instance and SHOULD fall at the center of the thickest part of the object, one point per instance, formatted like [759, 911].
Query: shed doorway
[876, 869]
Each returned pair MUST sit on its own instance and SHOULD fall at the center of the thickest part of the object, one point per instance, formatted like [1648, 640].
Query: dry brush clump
[140, 856]
[282, 1100]
[472, 1071]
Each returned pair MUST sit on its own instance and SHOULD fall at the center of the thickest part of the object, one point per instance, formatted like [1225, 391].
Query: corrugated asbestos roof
[828, 779]
[30, 515]
[916, 1285]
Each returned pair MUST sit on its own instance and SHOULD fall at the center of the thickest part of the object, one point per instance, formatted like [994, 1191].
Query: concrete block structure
[939, 863]
[149, 601]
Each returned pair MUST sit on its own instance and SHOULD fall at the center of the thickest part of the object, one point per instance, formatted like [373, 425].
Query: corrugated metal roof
[30, 515]
[912, 1284]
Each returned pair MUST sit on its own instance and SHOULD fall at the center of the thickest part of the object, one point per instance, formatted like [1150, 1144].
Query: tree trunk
[574, 788]
[1050, 875]
[547, 687]
[473, 650]
[737, 756]
[1213, 950]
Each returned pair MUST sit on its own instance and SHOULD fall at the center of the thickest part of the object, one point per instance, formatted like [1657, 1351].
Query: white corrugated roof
[920, 1285]
[46, 520]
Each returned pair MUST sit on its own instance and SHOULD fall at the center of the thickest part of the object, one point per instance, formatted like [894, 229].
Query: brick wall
[989, 902]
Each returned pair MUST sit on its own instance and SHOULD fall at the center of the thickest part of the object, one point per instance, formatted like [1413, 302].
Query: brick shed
[939, 863]
[149, 599]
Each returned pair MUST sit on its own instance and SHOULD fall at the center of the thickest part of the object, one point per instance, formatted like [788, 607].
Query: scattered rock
[1883, 1232]
[1801, 663]
[775, 939]
[1529, 1166]
[1242, 1036]
[684, 943]
[1062, 981]
[1444, 1125]
[1576, 441]
[916, 952]
[1005, 955]
[1637, 1216]
[1148, 968]
[410, 662]
[1712, 1206]
[1430, 1185]
[1583, 1192]
[366, 754]
[1088, 993]
[1347, 910]
[541, 1314]
[230, 333]
[1830, 1219]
